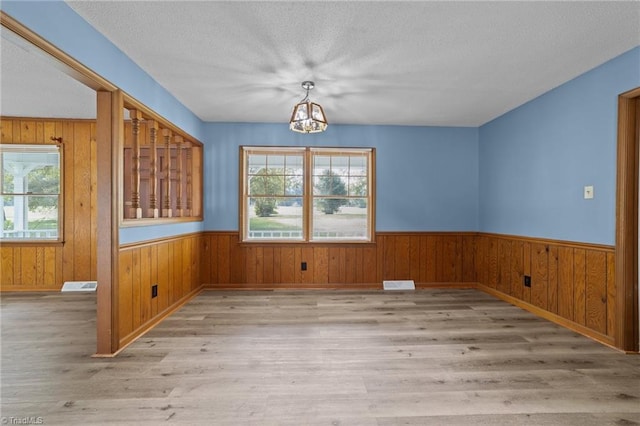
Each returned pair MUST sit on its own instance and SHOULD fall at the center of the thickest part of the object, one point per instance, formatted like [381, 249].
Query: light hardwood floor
[429, 357]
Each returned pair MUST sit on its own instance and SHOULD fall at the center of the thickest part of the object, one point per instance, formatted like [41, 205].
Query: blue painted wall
[427, 177]
[536, 159]
[522, 173]
[63, 27]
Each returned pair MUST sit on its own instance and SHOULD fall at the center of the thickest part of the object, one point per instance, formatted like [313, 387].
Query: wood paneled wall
[32, 266]
[573, 281]
[173, 264]
[423, 257]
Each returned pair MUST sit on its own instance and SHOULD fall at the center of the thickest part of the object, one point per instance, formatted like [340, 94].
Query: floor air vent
[80, 286]
[399, 285]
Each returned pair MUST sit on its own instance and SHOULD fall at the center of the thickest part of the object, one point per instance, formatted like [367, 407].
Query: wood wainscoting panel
[28, 265]
[387, 256]
[552, 287]
[428, 257]
[526, 256]
[480, 263]
[36, 266]
[493, 268]
[517, 269]
[469, 258]
[165, 277]
[611, 294]
[320, 262]
[338, 265]
[125, 293]
[504, 266]
[146, 281]
[565, 282]
[424, 257]
[287, 263]
[173, 264]
[449, 259]
[231, 251]
[269, 266]
[539, 275]
[579, 286]
[596, 291]
[572, 281]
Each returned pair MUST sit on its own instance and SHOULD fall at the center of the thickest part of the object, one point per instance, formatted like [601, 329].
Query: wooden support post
[136, 210]
[154, 211]
[166, 202]
[179, 170]
[109, 130]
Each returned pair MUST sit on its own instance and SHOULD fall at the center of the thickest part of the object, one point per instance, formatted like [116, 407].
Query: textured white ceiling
[405, 63]
[31, 86]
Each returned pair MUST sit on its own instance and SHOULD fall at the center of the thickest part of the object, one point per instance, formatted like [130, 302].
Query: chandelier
[308, 117]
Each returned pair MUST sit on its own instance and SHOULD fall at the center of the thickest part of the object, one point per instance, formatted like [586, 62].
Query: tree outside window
[31, 192]
[306, 194]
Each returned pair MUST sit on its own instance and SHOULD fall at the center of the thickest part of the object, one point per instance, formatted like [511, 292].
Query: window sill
[307, 243]
[147, 221]
[31, 243]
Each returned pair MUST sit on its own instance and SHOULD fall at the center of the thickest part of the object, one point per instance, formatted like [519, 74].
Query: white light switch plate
[588, 192]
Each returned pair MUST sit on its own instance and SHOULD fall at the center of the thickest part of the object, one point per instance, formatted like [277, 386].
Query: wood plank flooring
[429, 357]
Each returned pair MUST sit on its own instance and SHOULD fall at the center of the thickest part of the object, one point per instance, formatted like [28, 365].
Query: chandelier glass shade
[307, 116]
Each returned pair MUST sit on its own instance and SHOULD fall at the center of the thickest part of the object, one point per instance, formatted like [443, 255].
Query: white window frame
[26, 235]
[307, 196]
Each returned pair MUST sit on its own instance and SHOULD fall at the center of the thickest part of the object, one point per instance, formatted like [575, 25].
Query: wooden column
[166, 202]
[179, 170]
[154, 211]
[189, 195]
[109, 130]
[135, 211]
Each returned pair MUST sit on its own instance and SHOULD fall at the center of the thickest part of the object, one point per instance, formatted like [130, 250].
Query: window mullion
[307, 218]
[344, 223]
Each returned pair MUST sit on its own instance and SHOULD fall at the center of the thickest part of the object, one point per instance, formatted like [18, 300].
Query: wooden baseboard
[293, 287]
[456, 285]
[133, 336]
[578, 328]
[30, 290]
[327, 286]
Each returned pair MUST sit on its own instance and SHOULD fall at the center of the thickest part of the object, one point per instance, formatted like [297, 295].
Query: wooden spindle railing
[189, 206]
[166, 202]
[136, 210]
[178, 141]
[161, 170]
[154, 211]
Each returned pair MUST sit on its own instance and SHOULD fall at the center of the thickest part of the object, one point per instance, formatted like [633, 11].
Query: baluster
[136, 210]
[166, 207]
[154, 212]
[178, 141]
[188, 211]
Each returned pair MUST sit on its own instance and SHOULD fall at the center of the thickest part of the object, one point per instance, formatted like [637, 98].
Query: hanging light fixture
[308, 117]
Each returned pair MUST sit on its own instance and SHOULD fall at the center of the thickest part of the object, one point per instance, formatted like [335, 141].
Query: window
[307, 194]
[31, 192]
